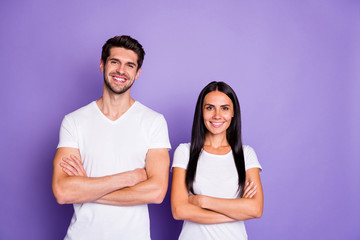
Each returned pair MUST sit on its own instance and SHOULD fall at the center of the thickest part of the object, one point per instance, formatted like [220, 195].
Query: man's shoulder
[83, 111]
[146, 111]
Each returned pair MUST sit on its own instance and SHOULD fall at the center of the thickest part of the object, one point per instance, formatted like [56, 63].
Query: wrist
[125, 179]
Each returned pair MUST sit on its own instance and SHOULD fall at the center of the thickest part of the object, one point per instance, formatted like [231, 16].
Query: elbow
[258, 214]
[180, 211]
[158, 199]
[61, 196]
[177, 217]
[158, 195]
[60, 201]
[177, 214]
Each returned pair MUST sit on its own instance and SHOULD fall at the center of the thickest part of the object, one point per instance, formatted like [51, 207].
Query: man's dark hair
[126, 42]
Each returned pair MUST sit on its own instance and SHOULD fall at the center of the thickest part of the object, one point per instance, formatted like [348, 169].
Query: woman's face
[218, 111]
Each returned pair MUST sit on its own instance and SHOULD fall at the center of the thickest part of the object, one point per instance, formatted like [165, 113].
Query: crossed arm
[140, 186]
[210, 210]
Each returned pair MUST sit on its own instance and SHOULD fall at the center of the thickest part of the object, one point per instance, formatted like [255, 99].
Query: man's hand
[73, 166]
[139, 175]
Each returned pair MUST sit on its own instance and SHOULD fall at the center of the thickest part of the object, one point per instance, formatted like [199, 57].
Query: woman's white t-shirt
[216, 176]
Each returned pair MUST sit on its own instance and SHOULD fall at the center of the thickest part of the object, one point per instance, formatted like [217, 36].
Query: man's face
[120, 70]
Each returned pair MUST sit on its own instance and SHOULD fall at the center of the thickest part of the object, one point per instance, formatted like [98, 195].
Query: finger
[247, 188]
[252, 192]
[76, 159]
[68, 172]
[79, 165]
[68, 169]
[73, 164]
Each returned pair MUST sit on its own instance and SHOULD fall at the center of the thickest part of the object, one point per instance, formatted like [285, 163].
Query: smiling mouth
[217, 124]
[119, 79]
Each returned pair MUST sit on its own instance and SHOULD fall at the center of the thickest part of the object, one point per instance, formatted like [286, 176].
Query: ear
[101, 65]
[137, 73]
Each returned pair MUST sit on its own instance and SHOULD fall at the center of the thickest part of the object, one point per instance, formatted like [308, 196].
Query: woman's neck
[216, 144]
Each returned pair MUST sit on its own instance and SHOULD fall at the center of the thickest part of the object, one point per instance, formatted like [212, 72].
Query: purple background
[294, 65]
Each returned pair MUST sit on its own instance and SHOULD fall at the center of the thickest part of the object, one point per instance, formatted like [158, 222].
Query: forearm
[239, 209]
[249, 206]
[190, 212]
[150, 191]
[78, 189]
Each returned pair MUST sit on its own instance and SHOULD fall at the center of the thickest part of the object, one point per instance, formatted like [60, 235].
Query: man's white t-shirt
[216, 176]
[108, 147]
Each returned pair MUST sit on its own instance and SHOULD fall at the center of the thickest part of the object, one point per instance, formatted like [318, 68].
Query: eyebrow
[114, 59]
[209, 104]
[117, 60]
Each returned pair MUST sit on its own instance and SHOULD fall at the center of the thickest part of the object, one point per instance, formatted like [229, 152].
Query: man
[112, 158]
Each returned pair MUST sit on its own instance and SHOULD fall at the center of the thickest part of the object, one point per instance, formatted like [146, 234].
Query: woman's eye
[225, 108]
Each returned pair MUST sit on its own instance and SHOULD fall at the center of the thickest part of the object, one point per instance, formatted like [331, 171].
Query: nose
[216, 114]
[120, 68]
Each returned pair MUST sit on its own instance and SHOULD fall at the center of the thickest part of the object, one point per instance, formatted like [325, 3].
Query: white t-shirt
[108, 147]
[216, 176]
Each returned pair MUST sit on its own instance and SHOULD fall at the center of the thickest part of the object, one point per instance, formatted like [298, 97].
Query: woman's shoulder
[183, 147]
[250, 158]
[248, 149]
[181, 155]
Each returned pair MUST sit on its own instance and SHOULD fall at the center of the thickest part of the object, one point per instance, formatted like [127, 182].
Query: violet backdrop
[294, 65]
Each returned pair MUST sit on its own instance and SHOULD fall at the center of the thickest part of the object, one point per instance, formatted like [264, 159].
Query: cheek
[206, 116]
[107, 69]
[229, 117]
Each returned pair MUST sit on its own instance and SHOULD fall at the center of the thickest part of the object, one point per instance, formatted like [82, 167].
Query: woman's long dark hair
[233, 135]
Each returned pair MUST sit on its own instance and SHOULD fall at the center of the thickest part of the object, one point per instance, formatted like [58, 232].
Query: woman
[211, 173]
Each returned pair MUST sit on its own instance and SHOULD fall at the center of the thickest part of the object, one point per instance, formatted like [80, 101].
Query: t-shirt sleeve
[68, 134]
[251, 160]
[159, 134]
[181, 156]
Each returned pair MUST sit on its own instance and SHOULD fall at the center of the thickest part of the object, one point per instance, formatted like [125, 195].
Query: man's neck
[114, 106]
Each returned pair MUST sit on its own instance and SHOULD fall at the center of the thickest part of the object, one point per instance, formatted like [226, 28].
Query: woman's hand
[72, 166]
[249, 190]
[197, 200]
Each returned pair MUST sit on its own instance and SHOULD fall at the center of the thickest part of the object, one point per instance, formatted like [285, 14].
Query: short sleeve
[68, 134]
[251, 160]
[181, 156]
[159, 137]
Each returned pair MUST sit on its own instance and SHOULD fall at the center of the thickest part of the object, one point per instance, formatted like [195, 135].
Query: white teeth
[119, 79]
[216, 124]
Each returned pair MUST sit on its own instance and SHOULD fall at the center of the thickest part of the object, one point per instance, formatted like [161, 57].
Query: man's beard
[107, 84]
